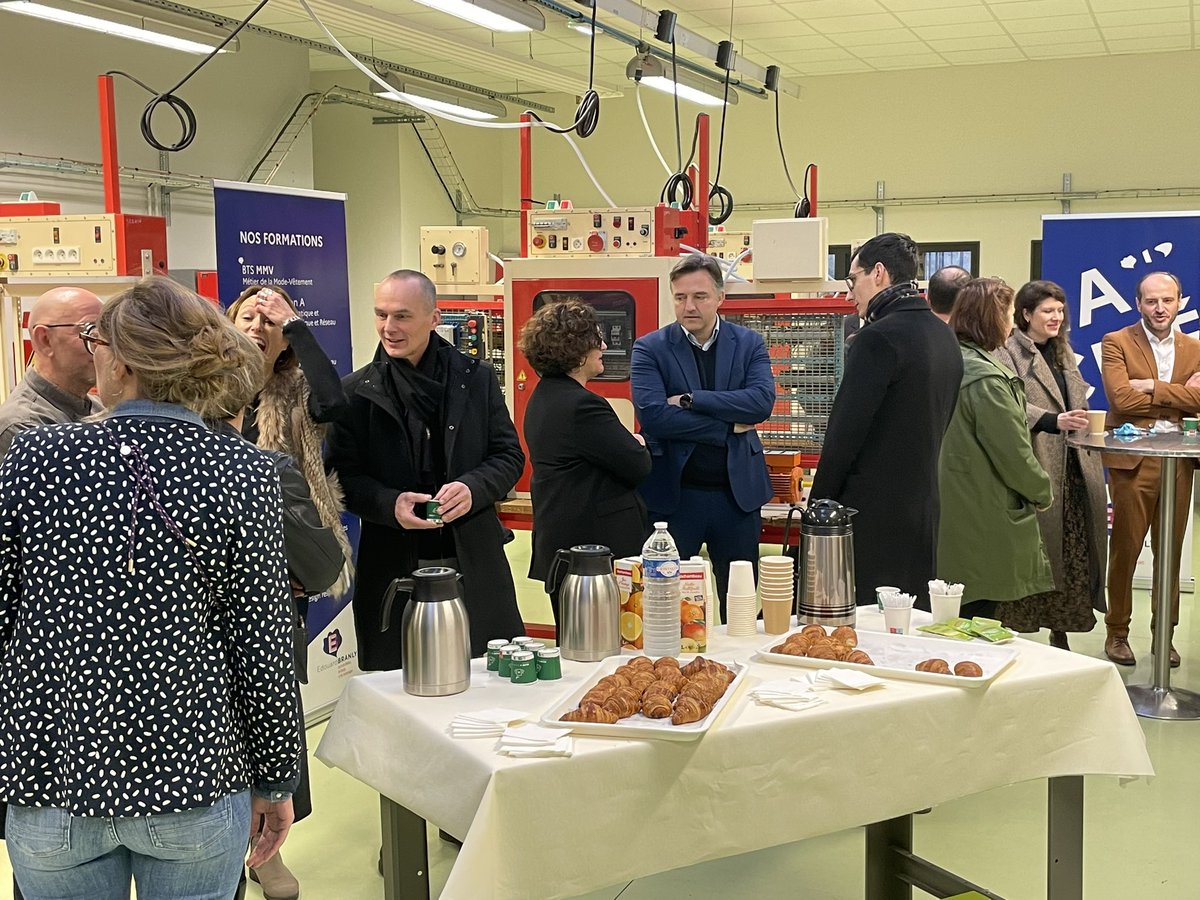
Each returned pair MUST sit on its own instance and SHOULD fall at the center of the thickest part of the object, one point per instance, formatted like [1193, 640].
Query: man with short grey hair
[55, 389]
[425, 423]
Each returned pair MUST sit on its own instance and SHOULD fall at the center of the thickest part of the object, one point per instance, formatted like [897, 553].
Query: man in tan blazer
[1152, 378]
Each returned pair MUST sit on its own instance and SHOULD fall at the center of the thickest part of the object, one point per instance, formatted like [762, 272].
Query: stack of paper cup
[777, 591]
[741, 603]
[897, 612]
[944, 600]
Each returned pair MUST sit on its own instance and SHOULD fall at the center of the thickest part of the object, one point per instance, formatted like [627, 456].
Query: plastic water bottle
[660, 594]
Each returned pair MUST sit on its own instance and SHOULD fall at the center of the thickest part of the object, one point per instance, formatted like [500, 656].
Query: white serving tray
[637, 725]
[895, 655]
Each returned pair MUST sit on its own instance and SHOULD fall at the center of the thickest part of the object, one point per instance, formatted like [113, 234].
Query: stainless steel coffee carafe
[435, 634]
[825, 572]
[589, 603]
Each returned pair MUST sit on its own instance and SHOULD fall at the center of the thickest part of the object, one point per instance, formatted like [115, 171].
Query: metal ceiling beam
[382, 64]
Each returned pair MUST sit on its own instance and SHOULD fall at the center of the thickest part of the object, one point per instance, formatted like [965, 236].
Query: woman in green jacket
[990, 482]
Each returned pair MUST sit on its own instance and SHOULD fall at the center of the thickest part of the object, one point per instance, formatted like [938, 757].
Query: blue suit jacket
[663, 365]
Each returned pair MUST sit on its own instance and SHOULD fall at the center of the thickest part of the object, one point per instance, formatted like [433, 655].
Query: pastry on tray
[658, 689]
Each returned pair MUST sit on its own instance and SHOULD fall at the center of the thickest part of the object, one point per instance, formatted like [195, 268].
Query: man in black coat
[425, 422]
[892, 409]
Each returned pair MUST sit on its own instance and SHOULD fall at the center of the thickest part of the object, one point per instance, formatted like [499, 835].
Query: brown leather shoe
[1116, 648]
[1175, 660]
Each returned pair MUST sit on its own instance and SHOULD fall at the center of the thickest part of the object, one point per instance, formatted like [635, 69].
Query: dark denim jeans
[191, 855]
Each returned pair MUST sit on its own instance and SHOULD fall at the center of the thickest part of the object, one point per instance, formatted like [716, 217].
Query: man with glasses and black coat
[881, 448]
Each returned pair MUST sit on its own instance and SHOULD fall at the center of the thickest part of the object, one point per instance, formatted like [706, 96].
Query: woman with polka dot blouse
[148, 721]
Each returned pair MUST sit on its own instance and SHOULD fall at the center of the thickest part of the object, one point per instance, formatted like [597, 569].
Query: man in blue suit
[700, 386]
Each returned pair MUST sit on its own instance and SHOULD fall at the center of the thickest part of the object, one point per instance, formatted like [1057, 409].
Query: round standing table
[1157, 700]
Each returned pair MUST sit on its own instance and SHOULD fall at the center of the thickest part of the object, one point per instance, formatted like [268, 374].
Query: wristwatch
[290, 320]
[685, 401]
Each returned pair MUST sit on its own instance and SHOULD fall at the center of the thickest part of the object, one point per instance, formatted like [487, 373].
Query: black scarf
[883, 302]
[419, 391]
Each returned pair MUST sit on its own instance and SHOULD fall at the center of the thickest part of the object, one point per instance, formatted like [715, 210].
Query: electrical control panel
[78, 246]
[477, 333]
[617, 232]
[790, 249]
[455, 256]
[728, 246]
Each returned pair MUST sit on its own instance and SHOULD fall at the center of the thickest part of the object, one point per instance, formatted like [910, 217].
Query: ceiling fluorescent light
[120, 24]
[583, 26]
[495, 15]
[442, 99]
[654, 73]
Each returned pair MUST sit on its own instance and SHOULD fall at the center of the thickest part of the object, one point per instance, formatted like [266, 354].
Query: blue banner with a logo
[296, 239]
[1099, 259]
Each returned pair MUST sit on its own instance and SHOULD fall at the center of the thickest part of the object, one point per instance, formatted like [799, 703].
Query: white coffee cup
[944, 607]
[897, 621]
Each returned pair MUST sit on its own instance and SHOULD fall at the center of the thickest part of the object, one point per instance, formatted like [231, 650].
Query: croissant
[689, 709]
[860, 657]
[666, 661]
[642, 680]
[841, 652]
[814, 629]
[668, 688]
[589, 712]
[823, 650]
[792, 649]
[846, 635]
[624, 702]
[936, 666]
[613, 681]
[968, 669]
[640, 662]
[596, 695]
[656, 705]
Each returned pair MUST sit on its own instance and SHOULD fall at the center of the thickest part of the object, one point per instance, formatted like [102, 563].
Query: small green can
[523, 667]
[549, 665]
[523, 640]
[533, 647]
[433, 511]
[504, 664]
[493, 654]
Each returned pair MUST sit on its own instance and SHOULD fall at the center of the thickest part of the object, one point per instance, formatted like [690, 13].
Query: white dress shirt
[1164, 358]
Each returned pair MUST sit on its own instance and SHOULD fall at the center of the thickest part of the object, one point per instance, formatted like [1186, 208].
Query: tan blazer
[1126, 355]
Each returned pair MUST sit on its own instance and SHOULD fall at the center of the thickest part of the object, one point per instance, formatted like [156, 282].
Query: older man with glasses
[880, 454]
[55, 389]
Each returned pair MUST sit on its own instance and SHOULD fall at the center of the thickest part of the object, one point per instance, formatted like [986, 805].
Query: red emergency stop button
[538, 241]
[595, 242]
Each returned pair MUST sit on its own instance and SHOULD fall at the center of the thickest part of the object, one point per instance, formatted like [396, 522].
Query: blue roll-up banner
[1099, 259]
[296, 239]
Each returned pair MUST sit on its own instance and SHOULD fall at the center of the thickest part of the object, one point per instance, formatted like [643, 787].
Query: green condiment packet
[945, 630]
[963, 625]
[996, 635]
[987, 623]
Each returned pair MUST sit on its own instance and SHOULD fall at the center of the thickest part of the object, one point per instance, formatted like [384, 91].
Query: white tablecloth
[621, 809]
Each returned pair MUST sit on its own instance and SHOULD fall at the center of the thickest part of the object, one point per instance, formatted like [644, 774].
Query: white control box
[455, 256]
[790, 249]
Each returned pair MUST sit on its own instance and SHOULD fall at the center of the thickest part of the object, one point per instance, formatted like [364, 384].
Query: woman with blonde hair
[990, 482]
[148, 722]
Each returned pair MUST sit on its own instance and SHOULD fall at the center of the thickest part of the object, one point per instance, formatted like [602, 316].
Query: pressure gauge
[459, 249]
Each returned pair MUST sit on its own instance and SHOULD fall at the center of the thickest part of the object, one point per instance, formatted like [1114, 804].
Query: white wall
[50, 109]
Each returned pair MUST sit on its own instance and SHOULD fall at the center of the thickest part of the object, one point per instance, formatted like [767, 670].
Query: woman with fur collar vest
[301, 392]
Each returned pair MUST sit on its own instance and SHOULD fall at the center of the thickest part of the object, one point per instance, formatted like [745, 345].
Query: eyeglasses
[853, 277]
[79, 325]
[87, 334]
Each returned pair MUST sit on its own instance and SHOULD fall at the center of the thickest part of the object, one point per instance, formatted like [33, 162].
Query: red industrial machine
[618, 260]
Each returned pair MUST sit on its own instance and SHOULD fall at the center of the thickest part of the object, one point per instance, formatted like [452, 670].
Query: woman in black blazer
[586, 464]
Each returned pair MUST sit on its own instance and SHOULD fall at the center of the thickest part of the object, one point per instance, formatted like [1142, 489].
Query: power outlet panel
[84, 245]
[728, 245]
[455, 256]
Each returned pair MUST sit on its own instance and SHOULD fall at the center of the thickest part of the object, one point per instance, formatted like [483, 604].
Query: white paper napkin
[485, 723]
[526, 741]
[786, 694]
[846, 679]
